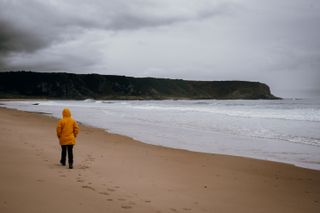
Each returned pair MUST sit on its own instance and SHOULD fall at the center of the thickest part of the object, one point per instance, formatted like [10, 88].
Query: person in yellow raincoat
[67, 131]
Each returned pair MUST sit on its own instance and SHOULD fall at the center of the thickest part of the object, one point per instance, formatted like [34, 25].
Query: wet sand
[114, 173]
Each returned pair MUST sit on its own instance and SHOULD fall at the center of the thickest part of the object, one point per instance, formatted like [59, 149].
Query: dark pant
[64, 149]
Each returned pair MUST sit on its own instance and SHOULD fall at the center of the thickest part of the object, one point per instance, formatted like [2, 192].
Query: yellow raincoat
[67, 129]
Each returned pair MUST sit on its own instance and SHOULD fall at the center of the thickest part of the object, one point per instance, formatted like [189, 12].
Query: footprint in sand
[40, 180]
[110, 190]
[126, 207]
[104, 193]
[147, 201]
[187, 209]
[122, 199]
[109, 199]
[88, 187]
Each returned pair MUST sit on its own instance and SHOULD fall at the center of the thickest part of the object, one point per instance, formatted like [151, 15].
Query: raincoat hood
[66, 113]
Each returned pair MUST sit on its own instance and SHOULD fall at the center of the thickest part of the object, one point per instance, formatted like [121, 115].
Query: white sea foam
[280, 130]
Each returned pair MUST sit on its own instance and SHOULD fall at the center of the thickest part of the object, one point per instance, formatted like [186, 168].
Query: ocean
[279, 130]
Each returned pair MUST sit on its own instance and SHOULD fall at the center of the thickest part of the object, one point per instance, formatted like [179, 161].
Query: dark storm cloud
[13, 39]
[27, 26]
[30, 25]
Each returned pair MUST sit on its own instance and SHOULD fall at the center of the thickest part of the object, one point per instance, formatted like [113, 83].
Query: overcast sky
[271, 41]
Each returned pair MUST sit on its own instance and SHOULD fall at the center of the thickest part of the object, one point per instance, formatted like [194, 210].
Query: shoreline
[119, 174]
[50, 115]
[302, 160]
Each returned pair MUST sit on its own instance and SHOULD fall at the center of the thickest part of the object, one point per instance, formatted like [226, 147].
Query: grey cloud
[32, 25]
[134, 19]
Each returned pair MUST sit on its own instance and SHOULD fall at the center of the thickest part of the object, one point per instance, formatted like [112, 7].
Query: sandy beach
[114, 173]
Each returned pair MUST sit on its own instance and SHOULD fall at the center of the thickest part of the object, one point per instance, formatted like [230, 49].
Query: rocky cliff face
[76, 86]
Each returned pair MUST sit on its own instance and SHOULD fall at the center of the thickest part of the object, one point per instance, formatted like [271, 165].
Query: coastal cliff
[82, 86]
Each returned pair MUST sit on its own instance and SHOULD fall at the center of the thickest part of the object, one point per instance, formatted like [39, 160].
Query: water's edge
[169, 125]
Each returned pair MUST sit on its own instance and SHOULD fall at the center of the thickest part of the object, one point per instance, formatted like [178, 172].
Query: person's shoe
[62, 163]
[70, 166]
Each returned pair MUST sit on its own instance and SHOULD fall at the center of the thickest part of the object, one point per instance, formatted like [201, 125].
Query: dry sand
[114, 173]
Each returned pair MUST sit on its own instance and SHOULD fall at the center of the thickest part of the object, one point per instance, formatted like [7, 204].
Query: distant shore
[82, 86]
[114, 173]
